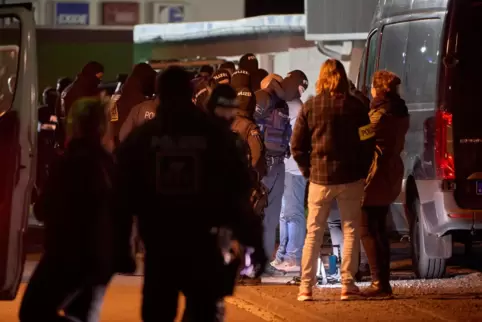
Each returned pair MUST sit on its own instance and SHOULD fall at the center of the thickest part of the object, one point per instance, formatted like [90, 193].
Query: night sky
[266, 7]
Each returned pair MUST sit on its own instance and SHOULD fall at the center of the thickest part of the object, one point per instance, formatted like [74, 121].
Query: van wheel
[424, 266]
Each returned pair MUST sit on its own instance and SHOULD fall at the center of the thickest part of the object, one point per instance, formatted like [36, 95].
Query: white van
[18, 138]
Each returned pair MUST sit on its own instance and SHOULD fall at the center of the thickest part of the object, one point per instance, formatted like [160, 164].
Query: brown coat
[390, 120]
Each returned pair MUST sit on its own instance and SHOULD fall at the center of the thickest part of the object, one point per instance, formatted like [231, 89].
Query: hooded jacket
[390, 121]
[85, 85]
[138, 88]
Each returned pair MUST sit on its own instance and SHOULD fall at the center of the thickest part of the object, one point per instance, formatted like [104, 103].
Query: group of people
[201, 165]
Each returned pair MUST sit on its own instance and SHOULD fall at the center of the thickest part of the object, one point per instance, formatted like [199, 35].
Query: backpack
[275, 127]
[259, 193]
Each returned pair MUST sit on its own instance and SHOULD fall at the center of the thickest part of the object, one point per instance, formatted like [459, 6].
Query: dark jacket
[75, 207]
[332, 141]
[138, 115]
[211, 188]
[85, 85]
[390, 120]
[139, 87]
[361, 97]
[250, 133]
[268, 98]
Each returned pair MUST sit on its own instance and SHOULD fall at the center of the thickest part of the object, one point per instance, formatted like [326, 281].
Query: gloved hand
[259, 261]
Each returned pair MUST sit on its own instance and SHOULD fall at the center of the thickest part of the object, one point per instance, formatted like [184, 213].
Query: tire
[424, 266]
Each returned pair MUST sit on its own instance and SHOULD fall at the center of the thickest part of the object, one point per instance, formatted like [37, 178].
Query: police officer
[182, 176]
[221, 76]
[272, 116]
[139, 114]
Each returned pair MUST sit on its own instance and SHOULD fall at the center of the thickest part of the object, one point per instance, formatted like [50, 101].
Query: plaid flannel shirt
[333, 140]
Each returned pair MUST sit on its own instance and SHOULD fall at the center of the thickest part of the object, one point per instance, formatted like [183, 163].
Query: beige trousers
[349, 197]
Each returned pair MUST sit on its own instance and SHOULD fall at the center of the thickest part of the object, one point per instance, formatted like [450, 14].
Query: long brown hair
[332, 78]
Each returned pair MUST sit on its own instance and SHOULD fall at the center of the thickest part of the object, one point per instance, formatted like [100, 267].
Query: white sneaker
[290, 267]
[277, 262]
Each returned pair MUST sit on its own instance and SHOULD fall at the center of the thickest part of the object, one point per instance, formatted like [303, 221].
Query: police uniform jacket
[250, 133]
[138, 115]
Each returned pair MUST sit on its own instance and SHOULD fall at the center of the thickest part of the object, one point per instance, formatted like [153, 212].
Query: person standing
[272, 117]
[333, 145]
[138, 88]
[86, 84]
[182, 171]
[292, 218]
[390, 121]
[236, 111]
[81, 245]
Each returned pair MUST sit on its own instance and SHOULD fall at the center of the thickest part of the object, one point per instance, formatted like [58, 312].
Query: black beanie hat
[249, 62]
[246, 100]
[229, 65]
[92, 68]
[221, 76]
[240, 79]
[206, 70]
[292, 82]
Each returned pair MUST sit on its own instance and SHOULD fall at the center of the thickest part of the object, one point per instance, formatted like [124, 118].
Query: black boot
[378, 291]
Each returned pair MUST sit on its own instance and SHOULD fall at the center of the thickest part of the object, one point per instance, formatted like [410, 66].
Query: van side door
[18, 137]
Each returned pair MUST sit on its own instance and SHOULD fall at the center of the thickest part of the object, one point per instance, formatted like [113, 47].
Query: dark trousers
[55, 286]
[375, 240]
[165, 278]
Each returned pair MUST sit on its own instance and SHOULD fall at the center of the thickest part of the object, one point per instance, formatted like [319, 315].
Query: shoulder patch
[366, 132]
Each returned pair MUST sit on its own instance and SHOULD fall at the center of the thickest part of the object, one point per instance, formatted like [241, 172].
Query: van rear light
[444, 156]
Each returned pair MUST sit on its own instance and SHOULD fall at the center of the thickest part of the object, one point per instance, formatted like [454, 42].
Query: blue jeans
[274, 181]
[292, 223]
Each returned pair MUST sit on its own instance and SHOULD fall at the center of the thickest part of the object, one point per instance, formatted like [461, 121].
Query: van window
[393, 50]
[360, 80]
[371, 61]
[9, 49]
[422, 61]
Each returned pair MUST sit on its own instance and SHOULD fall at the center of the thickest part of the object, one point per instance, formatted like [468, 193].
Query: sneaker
[290, 267]
[277, 262]
[305, 297]
[351, 293]
[272, 271]
[376, 292]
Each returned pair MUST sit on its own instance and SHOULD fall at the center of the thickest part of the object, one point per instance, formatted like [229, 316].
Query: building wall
[131, 12]
[308, 60]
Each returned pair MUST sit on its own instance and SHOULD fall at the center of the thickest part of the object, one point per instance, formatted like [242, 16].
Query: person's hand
[259, 261]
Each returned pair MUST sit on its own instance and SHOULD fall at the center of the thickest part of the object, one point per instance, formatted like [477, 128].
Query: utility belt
[274, 160]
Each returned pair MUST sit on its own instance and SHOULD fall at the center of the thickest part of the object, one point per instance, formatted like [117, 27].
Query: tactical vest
[276, 128]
